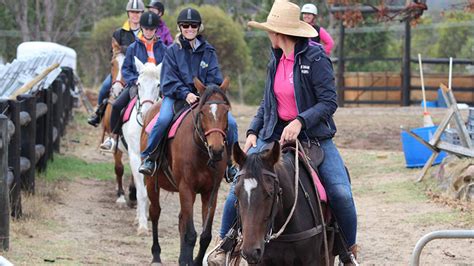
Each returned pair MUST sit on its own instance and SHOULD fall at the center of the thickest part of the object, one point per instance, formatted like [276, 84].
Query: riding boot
[353, 256]
[96, 117]
[148, 166]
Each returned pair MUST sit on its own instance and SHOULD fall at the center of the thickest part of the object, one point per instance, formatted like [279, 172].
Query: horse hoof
[142, 232]
[121, 202]
[156, 264]
[132, 203]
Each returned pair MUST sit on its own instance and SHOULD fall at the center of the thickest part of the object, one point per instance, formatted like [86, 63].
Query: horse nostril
[257, 254]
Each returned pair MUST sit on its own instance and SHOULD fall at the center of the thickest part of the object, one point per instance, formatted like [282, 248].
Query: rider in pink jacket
[310, 12]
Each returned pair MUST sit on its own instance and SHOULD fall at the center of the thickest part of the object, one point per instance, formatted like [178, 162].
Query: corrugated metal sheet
[19, 72]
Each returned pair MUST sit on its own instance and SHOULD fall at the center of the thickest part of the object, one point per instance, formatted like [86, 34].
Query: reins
[297, 170]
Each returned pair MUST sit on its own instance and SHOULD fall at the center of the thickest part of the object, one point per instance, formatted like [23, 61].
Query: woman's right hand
[191, 98]
[250, 142]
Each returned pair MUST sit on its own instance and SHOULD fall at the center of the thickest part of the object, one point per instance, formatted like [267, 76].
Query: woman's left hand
[291, 131]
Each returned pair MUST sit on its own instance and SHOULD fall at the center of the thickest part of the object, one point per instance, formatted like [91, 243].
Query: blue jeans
[164, 120]
[336, 182]
[105, 89]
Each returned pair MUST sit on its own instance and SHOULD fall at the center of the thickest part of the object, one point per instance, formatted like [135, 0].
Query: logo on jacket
[304, 69]
[203, 64]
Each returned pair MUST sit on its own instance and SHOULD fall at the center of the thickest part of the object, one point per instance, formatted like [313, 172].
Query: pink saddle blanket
[319, 186]
[128, 111]
[174, 127]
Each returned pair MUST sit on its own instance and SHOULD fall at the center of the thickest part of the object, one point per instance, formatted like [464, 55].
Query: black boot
[148, 166]
[96, 117]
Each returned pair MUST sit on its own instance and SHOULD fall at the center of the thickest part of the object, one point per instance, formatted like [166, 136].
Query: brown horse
[118, 85]
[273, 234]
[197, 159]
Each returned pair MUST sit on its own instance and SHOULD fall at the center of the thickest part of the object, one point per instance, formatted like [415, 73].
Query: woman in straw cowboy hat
[299, 102]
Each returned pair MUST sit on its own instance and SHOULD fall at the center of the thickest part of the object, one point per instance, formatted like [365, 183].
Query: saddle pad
[128, 111]
[174, 126]
[319, 186]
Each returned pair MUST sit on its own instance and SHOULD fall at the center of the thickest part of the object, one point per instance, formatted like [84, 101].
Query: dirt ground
[77, 222]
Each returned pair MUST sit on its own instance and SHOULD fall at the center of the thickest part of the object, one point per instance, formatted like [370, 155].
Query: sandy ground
[77, 222]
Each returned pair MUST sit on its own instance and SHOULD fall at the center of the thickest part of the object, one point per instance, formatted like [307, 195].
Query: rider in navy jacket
[138, 49]
[316, 102]
[178, 82]
[191, 56]
[148, 22]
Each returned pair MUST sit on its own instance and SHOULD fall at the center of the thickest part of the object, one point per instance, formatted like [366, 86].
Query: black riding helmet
[189, 15]
[149, 20]
[158, 5]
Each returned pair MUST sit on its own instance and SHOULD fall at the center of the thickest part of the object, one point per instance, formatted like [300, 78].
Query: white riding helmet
[135, 5]
[309, 8]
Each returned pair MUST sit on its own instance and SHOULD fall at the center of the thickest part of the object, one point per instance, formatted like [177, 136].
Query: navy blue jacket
[181, 64]
[315, 94]
[138, 49]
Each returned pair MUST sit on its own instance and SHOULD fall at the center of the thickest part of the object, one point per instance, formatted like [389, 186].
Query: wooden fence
[31, 126]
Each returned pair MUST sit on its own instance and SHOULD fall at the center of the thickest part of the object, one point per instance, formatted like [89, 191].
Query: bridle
[139, 105]
[275, 200]
[201, 134]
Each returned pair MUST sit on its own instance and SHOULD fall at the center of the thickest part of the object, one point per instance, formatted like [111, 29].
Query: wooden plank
[422, 141]
[456, 149]
[444, 123]
[427, 166]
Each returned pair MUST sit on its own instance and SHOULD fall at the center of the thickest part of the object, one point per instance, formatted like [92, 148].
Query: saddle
[180, 110]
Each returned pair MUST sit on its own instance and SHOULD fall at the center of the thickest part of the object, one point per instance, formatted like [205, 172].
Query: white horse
[148, 93]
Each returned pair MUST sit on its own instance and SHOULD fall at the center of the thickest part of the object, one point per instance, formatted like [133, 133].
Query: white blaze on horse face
[249, 185]
[214, 110]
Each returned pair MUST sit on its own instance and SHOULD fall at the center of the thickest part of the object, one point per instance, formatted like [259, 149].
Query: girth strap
[299, 236]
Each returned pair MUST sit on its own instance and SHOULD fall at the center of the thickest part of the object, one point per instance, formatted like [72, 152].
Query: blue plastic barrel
[416, 154]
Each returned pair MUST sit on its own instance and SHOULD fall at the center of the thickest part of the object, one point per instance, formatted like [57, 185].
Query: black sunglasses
[186, 26]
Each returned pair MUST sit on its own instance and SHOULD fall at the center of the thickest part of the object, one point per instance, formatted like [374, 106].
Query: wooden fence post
[4, 190]
[14, 158]
[28, 141]
[57, 113]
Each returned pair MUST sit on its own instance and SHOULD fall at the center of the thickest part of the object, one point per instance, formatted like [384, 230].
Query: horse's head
[148, 81]
[116, 66]
[212, 117]
[117, 81]
[258, 194]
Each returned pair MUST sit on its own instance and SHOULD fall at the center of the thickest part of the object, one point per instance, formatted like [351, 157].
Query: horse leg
[186, 226]
[142, 198]
[154, 211]
[207, 219]
[118, 176]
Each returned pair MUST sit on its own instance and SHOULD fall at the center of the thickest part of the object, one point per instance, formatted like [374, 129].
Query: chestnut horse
[117, 86]
[281, 223]
[197, 159]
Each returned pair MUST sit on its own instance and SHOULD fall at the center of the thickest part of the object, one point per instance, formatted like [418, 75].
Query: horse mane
[212, 89]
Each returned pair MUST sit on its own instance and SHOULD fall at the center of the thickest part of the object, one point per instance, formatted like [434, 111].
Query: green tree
[226, 36]
[96, 54]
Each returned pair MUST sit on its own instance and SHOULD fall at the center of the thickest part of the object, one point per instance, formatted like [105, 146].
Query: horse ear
[225, 84]
[239, 155]
[139, 65]
[273, 155]
[199, 86]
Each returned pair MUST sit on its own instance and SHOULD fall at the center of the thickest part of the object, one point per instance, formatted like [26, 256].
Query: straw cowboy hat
[284, 18]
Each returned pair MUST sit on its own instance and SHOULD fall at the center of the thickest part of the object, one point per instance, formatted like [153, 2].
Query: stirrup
[108, 145]
[149, 171]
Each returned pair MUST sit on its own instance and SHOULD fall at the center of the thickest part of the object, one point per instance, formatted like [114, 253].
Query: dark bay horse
[266, 196]
[197, 160]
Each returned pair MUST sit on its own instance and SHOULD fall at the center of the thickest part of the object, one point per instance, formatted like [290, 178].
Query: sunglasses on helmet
[186, 26]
